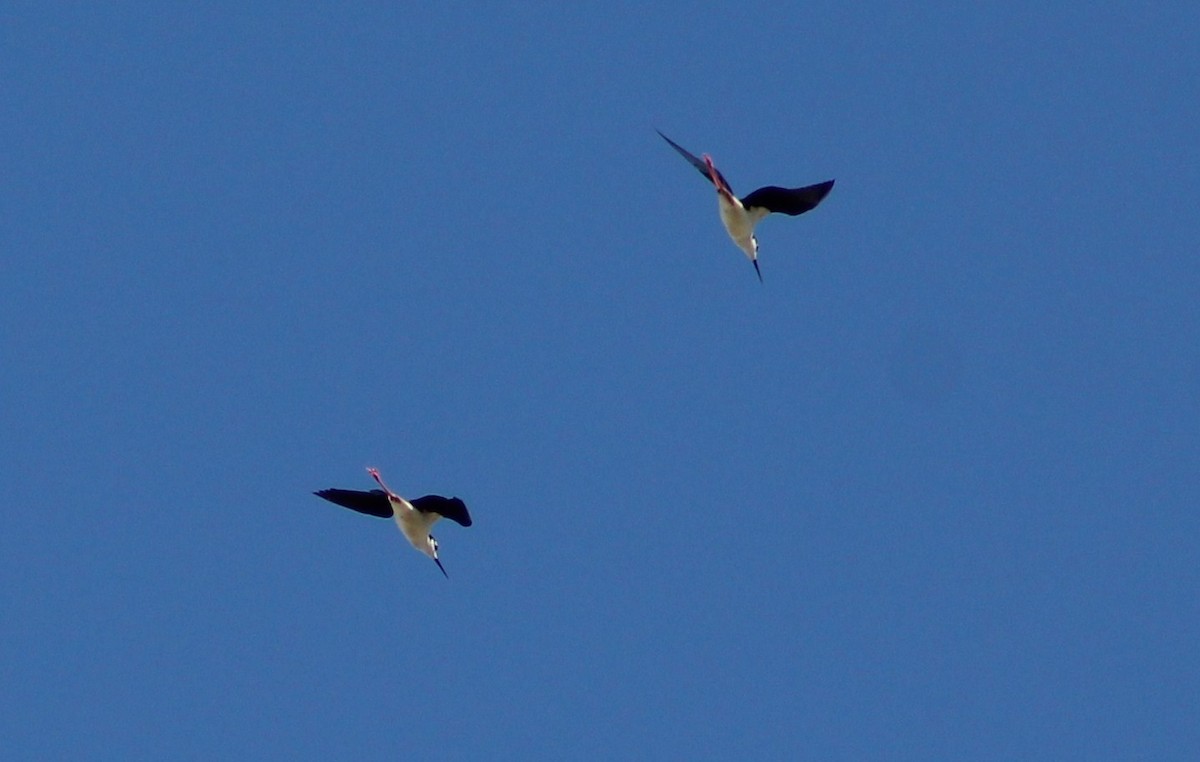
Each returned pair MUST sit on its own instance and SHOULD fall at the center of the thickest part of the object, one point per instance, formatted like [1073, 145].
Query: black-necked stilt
[414, 518]
[741, 215]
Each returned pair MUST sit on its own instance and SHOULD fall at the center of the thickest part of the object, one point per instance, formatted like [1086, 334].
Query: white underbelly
[738, 224]
[413, 524]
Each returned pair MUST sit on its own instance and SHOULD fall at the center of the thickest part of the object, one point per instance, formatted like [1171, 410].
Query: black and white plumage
[740, 216]
[414, 517]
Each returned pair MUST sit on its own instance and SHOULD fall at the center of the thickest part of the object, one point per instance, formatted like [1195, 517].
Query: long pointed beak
[755, 261]
[439, 563]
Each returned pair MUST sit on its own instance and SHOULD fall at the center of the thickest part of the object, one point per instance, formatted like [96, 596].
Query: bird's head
[433, 553]
[749, 246]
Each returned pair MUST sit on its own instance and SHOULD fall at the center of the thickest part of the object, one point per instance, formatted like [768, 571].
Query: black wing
[449, 507]
[697, 163]
[373, 503]
[791, 201]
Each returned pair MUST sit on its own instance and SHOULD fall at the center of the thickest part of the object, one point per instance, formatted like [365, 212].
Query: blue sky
[928, 492]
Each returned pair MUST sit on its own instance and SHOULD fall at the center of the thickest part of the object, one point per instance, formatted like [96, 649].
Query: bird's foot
[374, 472]
[716, 177]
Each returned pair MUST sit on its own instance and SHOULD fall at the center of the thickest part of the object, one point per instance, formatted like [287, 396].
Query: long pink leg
[716, 178]
[374, 472]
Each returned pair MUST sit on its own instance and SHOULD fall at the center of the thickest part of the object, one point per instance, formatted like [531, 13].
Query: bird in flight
[741, 215]
[413, 517]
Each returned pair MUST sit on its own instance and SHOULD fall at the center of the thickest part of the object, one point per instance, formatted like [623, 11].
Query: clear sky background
[929, 492]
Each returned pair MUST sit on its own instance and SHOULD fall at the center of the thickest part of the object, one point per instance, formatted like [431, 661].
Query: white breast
[414, 524]
[739, 223]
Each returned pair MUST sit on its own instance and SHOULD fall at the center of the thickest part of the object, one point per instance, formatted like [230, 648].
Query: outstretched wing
[373, 503]
[697, 163]
[449, 507]
[791, 201]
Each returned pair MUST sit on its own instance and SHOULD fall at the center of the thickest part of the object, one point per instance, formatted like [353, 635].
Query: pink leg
[722, 188]
[374, 472]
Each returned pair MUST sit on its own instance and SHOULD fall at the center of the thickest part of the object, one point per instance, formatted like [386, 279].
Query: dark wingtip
[466, 513]
[755, 261]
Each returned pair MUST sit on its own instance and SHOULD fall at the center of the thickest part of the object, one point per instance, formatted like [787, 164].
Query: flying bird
[741, 215]
[413, 517]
